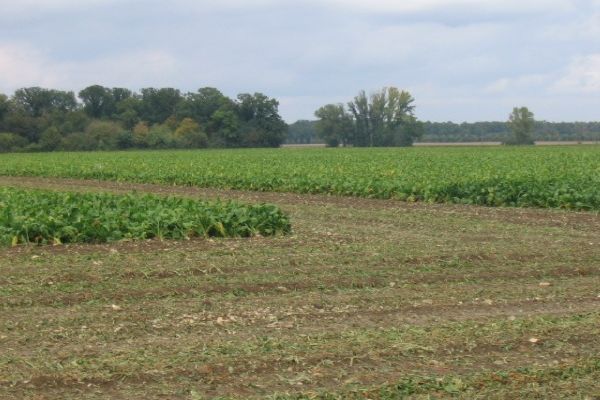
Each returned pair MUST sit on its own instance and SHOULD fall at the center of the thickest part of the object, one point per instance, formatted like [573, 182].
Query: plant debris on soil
[366, 299]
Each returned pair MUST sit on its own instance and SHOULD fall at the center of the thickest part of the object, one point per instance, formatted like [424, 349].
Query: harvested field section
[366, 298]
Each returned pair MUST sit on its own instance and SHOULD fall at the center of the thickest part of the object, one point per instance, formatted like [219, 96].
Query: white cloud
[582, 76]
[449, 53]
[28, 6]
[22, 65]
[407, 6]
[517, 84]
[398, 6]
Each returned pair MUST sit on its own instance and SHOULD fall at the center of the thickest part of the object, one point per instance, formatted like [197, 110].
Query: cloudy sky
[463, 60]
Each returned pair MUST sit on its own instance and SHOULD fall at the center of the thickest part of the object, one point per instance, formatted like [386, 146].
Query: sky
[462, 60]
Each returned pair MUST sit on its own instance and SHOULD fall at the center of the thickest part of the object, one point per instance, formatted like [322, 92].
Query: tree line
[305, 132]
[102, 118]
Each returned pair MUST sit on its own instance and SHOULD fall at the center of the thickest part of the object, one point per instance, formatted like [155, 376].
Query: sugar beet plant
[548, 177]
[37, 216]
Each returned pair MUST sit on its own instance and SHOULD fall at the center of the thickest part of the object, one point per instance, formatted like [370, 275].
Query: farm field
[549, 177]
[365, 299]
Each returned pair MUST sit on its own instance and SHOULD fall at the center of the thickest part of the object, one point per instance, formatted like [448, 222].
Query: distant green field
[557, 177]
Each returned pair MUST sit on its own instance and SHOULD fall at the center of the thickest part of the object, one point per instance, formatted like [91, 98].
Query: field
[365, 298]
[557, 177]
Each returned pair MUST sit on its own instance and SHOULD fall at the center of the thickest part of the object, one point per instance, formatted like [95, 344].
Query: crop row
[555, 177]
[36, 216]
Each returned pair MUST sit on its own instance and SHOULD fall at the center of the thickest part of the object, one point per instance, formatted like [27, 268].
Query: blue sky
[463, 60]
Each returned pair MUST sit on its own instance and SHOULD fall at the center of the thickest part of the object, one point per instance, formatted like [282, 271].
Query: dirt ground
[369, 299]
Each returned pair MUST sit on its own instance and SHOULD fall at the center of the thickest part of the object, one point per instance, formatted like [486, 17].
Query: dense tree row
[305, 131]
[499, 131]
[39, 119]
[385, 118]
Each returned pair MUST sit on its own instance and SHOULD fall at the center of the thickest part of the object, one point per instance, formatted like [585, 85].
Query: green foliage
[104, 134]
[98, 101]
[159, 104]
[35, 216]
[302, 132]
[334, 125]
[252, 120]
[160, 137]
[202, 104]
[386, 118]
[11, 142]
[262, 125]
[51, 139]
[4, 108]
[36, 101]
[521, 123]
[555, 177]
[189, 135]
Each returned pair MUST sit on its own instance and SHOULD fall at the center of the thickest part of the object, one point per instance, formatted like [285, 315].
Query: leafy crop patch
[550, 177]
[37, 216]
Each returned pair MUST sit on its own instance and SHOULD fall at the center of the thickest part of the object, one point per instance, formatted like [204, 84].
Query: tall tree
[120, 94]
[202, 104]
[4, 108]
[521, 122]
[380, 119]
[262, 125]
[159, 104]
[36, 101]
[335, 125]
[385, 118]
[98, 101]
[360, 110]
[301, 132]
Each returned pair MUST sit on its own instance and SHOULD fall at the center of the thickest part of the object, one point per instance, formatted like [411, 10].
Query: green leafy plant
[545, 177]
[36, 216]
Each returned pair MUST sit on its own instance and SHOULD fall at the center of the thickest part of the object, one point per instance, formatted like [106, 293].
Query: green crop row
[36, 216]
[555, 177]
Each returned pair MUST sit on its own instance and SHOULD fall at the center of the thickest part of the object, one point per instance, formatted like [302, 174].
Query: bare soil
[365, 299]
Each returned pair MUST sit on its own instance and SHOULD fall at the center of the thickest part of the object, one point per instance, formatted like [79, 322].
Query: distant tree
[202, 104]
[335, 125]
[159, 104]
[128, 111]
[410, 130]
[11, 142]
[261, 124]
[98, 101]
[75, 121]
[121, 94]
[160, 136]
[50, 139]
[359, 108]
[172, 123]
[385, 118]
[189, 134]
[381, 119]
[18, 121]
[35, 100]
[111, 118]
[104, 135]
[140, 134]
[302, 132]
[33, 110]
[4, 108]
[224, 128]
[521, 122]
